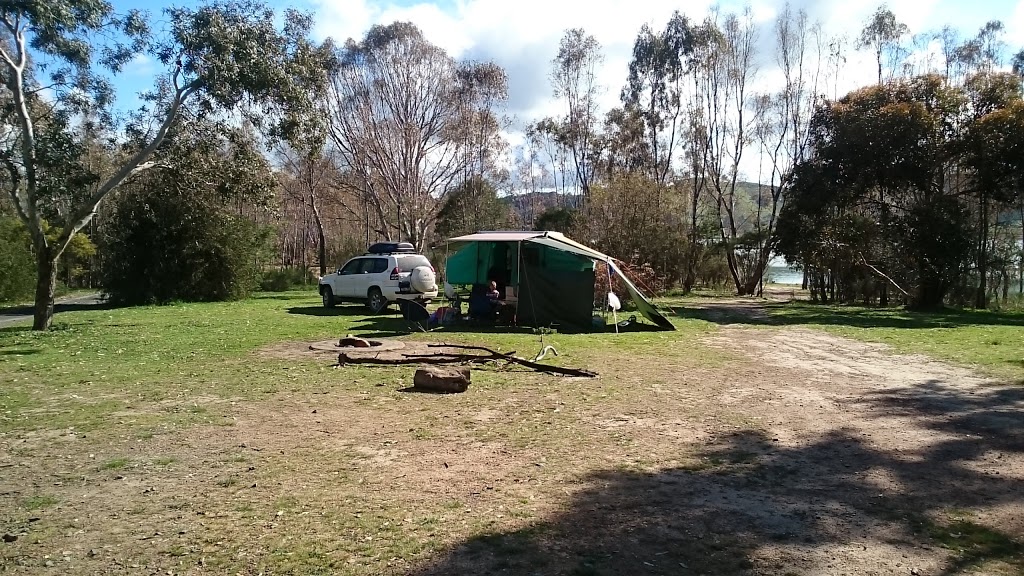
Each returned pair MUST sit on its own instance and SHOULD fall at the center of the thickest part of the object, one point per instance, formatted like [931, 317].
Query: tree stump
[444, 379]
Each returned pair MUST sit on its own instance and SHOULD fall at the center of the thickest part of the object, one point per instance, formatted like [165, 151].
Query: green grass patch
[990, 341]
[155, 369]
[116, 464]
[39, 502]
[974, 545]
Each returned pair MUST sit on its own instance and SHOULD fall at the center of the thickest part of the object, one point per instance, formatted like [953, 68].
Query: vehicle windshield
[407, 263]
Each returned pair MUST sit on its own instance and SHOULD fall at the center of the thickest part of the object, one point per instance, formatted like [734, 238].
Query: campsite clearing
[206, 438]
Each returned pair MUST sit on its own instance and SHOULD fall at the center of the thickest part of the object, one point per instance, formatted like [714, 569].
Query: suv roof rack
[391, 248]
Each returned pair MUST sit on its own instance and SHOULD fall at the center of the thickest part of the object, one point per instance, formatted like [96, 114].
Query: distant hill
[529, 205]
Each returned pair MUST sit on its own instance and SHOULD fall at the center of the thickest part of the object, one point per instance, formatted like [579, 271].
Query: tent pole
[615, 312]
[519, 271]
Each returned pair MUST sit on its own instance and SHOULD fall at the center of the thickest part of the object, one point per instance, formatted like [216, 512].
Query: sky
[522, 35]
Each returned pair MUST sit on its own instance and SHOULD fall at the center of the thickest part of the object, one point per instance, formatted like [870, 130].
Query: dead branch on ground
[450, 358]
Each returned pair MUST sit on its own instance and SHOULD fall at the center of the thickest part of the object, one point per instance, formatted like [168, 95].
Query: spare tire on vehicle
[422, 279]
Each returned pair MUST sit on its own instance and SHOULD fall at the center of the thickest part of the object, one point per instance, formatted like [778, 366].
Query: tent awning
[499, 236]
[558, 241]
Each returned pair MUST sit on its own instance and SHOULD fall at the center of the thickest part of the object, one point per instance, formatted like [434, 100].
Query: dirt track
[843, 458]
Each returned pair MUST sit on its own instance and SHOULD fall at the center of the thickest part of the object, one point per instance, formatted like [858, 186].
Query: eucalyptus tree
[654, 89]
[726, 114]
[1017, 63]
[882, 34]
[782, 128]
[56, 58]
[878, 169]
[574, 80]
[401, 111]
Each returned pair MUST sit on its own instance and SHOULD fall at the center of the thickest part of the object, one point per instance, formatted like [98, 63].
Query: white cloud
[1015, 28]
[523, 36]
[140, 65]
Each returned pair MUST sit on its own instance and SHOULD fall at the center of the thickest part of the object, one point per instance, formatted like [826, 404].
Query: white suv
[388, 272]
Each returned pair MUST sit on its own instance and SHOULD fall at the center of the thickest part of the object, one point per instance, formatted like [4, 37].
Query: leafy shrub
[284, 279]
[17, 282]
[162, 247]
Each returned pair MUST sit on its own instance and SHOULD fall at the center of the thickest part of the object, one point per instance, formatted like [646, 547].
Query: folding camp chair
[415, 315]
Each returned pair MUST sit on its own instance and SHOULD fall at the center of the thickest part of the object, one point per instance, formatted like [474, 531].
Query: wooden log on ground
[447, 380]
[351, 341]
[449, 358]
[522, 362]
[345, 358]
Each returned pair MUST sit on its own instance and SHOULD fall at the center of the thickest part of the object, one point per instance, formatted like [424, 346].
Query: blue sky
[522, 36]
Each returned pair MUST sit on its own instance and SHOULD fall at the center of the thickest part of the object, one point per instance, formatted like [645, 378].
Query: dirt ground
[769, 450]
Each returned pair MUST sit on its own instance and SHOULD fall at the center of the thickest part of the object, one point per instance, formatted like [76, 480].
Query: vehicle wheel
[376, 301]
[328, 295]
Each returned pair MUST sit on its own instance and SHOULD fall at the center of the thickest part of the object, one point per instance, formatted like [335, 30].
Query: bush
[17, 282]
[162, 247]
[284, 279]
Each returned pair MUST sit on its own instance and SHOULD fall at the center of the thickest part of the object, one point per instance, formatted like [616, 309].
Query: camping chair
[456, 296]
[481, 307]
[415, 315]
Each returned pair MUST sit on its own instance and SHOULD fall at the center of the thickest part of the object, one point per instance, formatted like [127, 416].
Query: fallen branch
[521, 361]
[448, 358]
[543, 352]
[882, 274]
[443, 355]
[344, 358]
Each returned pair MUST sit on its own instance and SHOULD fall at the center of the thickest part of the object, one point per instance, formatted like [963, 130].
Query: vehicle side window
[380, 265]
[368, 265]
[352, 267]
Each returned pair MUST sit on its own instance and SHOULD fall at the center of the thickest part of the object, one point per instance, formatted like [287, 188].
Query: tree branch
[134, 165]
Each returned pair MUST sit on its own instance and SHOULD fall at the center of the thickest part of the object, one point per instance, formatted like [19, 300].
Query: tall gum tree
[574, 80]
[882, 34]
[406, 120]
[214, 57]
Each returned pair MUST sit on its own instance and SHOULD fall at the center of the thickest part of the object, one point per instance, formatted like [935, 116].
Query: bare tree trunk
[46, 284]
[321, 237]
[981, 297]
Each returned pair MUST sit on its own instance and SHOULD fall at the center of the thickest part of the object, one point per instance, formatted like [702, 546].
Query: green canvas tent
[552, 275]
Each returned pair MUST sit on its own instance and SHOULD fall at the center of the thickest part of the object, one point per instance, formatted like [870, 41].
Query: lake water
[782, 274]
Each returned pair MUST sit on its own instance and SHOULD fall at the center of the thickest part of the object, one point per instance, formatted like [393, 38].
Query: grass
[241, 462]
[990, 341]
[39, 502]
[149, 364]
[116, 464]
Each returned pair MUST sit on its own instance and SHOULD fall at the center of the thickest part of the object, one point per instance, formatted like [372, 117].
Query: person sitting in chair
[493, 293]
[481, 305]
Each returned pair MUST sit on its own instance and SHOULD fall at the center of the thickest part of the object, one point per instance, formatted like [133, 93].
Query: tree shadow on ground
[339, 310]
[394, 322]
[58, 308]
[802, 313]
[750, 505]
[297, 294]
[21, 352]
